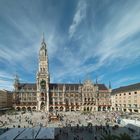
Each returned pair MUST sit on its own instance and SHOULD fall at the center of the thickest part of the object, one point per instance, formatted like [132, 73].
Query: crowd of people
[69, 125]
[77, 126]
[28, 119]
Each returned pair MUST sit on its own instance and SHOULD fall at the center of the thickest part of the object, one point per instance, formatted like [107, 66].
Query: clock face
[43, 84]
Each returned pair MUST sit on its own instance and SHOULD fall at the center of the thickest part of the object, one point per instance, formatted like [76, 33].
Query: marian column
[43, 79]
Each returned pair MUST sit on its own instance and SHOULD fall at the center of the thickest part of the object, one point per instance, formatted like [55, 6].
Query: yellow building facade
[126, 99]
[5, 99]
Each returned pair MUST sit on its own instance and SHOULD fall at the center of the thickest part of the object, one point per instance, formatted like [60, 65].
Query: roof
[39, 133]
[27, 86]
[11, 134]
[127, 88]
[67, 86]
[74, 86]
[28, 133]
[59, 86]
[46, 133]
[5, 91]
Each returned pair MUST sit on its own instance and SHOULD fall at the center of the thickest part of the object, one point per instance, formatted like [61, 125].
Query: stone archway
[77, 108]
[124, 109]
[108, 108]
[90, 108]
[51, 108]
[72, 108]
[42, 106]
[136, 110]
[18, 108]
[34, 108]
[56, 108]
[29, 108]
[67, 108]
[104, 108]
[130, 110]
[61, 108]
[99, 108]
[85, 109]
[23, 108]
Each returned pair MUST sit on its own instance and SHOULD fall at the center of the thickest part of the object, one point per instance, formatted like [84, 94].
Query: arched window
[42, 94]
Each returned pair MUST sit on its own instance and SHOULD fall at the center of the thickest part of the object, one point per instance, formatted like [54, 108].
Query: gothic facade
[46, 96]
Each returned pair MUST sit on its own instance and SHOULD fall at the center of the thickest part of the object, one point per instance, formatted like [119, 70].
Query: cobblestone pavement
[72, 126]
[24, 120]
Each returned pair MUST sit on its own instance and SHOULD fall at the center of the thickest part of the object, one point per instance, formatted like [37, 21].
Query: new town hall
[46, 96]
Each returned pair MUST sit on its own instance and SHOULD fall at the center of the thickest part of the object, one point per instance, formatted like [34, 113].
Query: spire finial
[109, 85]
[79, 81]
[16, 80]
[96, 80]
[43, 38]
[43, 44]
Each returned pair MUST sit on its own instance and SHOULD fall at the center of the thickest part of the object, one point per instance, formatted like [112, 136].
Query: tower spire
[43, 38]
[16, 82]
[96, 80]
[16, 78]
[43, 44]
[109, 85]
[43, 77]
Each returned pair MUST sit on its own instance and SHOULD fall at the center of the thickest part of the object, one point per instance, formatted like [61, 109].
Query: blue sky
[85, 39]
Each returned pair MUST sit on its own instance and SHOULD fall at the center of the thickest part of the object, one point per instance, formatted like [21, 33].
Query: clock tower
[43, 79]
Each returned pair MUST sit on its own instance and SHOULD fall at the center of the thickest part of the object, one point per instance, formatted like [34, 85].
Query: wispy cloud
[6, 80]
[101, 38]
[80, 14]
[117, 47]
[123, 81]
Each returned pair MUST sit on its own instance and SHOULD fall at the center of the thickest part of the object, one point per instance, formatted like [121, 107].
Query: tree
[124, 136]
[109, 137]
